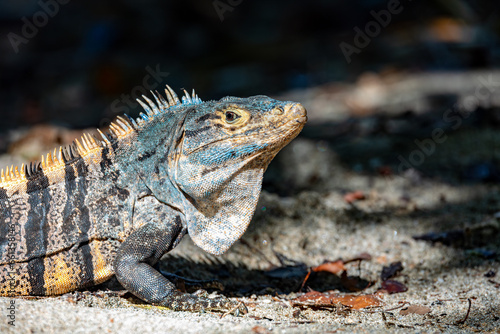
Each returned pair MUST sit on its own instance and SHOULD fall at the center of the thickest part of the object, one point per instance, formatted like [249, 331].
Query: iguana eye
[277, 111]
[231, 116]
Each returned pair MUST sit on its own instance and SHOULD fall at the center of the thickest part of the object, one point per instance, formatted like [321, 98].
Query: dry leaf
[354, 196]
[359, 302]
[314, 297]
[333, 267]
[392, 270]
[260, 330]
[392, 286]
[359, 257]
[415, 309]
[382, 259]
[355, 302]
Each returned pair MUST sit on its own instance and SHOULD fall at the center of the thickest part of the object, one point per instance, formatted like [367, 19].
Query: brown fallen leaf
[390, 271]
[359, 257]
[333, 267]
[359, 302]
[354, 196]
[392, 286]
[382, 259]
[352, 301]
[415, 309]
[314, 297]
[260, 330]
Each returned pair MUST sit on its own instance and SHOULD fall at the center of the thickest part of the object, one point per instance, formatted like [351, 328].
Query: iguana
[113, 204]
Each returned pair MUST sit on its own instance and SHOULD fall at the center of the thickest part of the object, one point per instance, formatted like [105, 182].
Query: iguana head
[220, 158]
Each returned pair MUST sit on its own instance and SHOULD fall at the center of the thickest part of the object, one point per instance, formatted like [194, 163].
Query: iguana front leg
[133, 266]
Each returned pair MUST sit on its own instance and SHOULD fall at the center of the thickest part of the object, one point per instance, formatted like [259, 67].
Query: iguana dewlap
[114, 205]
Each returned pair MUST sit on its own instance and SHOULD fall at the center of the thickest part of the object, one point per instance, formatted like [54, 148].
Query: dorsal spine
[118, 130]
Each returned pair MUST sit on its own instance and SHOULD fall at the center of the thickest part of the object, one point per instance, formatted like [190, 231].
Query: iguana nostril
[298, 111]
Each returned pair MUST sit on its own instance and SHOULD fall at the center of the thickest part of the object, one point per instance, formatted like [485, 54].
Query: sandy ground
[309, 228]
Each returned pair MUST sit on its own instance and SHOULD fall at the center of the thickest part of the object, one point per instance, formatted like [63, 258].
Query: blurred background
[375, 76]
[400, 157]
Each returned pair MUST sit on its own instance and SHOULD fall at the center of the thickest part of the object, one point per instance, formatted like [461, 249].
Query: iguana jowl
[114, 205]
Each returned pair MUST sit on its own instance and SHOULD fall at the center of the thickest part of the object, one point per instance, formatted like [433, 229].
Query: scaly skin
[115, 205]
